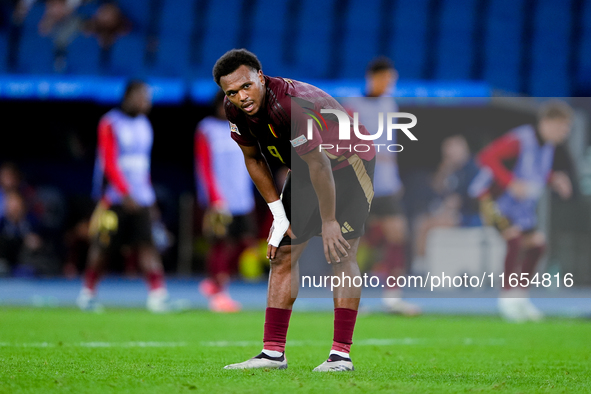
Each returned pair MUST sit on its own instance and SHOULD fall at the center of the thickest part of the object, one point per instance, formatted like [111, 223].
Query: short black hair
[232, 60]
[132, 86]
[378, 64]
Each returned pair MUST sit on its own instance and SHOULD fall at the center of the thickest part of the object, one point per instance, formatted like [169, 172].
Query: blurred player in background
[331, 194]
[122, 217]
[449, 202]
[224, 180]
[509, 198]
[387, 223]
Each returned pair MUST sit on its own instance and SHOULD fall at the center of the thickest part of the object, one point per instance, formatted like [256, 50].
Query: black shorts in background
[390, 205]
[119, 227]
[354, 194]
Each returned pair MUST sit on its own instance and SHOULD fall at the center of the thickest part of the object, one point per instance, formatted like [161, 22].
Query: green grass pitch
[132, 351]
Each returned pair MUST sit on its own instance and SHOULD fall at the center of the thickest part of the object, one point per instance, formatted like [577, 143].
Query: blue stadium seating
[128, 54]
[361, 39]
[550, 54]
[583, 76]
[3, 52]
[31, 23]
[325, 40]
[177, 18]
[270, 22]
[455, 50]
[502, 43]
[221, 33]
[313, 45]
[84, 56]
[408, 48]
[172, 58]
[35, 54]
[138, 12]
[176, 24]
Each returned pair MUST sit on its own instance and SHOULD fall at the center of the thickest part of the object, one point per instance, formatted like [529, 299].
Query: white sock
[272, 353]
[342, 354]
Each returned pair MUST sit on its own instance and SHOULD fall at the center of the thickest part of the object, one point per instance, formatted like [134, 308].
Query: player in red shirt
[123, 217]
[509, 197]
[328, 192]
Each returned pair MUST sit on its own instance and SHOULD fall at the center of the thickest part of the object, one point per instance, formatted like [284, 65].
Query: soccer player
[509, 197]
[227, 188]
[331, 193]
[387, 220]
[122, 217]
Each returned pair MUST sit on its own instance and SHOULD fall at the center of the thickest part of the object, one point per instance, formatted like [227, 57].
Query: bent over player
[122, 217]
[509, 198]
[328, 192]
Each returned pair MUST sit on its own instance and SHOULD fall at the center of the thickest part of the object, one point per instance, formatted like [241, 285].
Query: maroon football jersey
[280, 126]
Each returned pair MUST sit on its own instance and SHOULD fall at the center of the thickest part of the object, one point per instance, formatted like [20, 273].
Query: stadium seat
[138, 12]
[314, 45]
[177, 18]
[31, 23]
[265, 35]
[127, 56]
[360, 44]
[35, 54]
[84, 56]
[455, 49]
[176, 24]
[408, 48]
[3, 52]
[583, 77]
[172, 58]
[550, 50]
[221, 33]
[503, 44]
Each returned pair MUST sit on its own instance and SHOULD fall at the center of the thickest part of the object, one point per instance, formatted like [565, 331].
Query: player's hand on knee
[272, 248]
[280, 227]
[335, 246]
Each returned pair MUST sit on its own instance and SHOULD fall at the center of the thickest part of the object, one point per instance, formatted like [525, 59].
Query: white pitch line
[293, 343]
[96, 344]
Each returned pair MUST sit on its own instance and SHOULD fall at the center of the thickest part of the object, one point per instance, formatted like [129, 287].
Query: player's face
[555, 130]
[381, 82]
[140, 100]
[245, 88]
[455, 150]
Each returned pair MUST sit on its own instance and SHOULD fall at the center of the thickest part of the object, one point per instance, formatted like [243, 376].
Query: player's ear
[261, 77]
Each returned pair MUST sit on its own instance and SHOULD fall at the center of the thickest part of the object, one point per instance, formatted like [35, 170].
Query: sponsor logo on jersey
[301, 140]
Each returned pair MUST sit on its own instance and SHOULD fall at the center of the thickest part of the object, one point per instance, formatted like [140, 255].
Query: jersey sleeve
[109, 152]
[300, 140]
[239, 130]
[493, 155]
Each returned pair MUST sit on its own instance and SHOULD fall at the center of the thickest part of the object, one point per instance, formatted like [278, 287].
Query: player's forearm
[323, 183]
[263, 179]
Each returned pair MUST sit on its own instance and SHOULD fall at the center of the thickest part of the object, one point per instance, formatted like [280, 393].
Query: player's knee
[537, 240]
[282, 257]
[512, 233]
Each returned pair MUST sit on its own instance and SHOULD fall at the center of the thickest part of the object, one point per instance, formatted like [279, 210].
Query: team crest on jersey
[234, 128]
[301, 140]
[288, 80]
